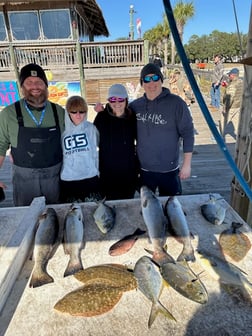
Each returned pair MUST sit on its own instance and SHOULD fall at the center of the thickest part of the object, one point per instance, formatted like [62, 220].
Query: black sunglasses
[75, 112]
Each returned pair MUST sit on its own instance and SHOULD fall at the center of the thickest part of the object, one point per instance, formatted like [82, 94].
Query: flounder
[234, 242]
[111, 274]
[89, 300]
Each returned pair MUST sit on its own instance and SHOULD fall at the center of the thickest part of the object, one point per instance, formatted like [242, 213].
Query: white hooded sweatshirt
[80, 150]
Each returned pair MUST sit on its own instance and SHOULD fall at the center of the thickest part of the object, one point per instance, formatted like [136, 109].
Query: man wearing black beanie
[32, 128]
[163, 120]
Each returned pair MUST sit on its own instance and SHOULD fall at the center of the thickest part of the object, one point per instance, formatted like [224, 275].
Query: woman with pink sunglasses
[117, 149]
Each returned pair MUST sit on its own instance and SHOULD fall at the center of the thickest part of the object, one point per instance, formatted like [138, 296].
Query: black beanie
[150, 68]
[33, 70]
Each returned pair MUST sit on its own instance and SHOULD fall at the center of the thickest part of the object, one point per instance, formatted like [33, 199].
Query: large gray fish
[47, 238]
[179, 225]
[155, 220]
[104, 217]
[213, 211]
[150, 284]
[74, 239]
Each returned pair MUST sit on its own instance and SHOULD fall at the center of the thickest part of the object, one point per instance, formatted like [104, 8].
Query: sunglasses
[154, 78]
[75, 112]
[116, 99]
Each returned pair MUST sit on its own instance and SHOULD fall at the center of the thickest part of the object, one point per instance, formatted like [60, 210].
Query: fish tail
[186, 255]
[162, 257]
[157, 308]
[38, 280]
[73, 267]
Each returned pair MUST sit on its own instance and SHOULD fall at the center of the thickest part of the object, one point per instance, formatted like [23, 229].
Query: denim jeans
[215, 96]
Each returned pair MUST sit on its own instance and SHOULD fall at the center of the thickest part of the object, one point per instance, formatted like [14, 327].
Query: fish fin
[73, 267]
[139, 232]
[191, 235]
[156, 308]
[186, 256]
[38, 280]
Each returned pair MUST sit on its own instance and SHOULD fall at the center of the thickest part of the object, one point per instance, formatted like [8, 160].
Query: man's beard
[36, 101]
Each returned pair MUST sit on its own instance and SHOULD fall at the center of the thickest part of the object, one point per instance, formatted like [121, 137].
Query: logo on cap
[34, 73]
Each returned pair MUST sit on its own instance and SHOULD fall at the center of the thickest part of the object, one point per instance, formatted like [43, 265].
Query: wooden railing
[65, 55]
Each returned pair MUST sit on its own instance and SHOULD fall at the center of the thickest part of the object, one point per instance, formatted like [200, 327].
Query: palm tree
[182, 13]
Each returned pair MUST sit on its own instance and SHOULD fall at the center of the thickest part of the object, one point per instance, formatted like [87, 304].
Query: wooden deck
[210, 170]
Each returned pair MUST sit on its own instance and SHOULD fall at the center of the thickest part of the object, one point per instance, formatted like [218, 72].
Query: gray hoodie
[80, 150]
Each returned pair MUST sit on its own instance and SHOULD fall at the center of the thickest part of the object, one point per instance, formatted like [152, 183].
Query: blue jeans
[215, 96]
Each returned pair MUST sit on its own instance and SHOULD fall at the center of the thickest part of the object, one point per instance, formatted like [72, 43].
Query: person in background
[117, 153]
[80, 172]
[232, 99]
[217, 77]
[163, 119]
[179, 85]
[32, 128]
[158, 62]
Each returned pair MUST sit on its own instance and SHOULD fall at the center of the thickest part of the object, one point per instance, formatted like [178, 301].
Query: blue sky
[209, 15]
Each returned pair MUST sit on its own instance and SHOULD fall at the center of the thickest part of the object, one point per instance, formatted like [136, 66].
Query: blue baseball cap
[234, 71]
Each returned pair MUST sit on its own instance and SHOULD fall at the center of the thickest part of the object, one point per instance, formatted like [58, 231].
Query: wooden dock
[211, 172]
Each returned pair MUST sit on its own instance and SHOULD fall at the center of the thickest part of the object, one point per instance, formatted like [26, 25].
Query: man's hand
[98, 107]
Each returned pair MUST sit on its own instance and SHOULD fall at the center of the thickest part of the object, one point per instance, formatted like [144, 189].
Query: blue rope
[201, 102]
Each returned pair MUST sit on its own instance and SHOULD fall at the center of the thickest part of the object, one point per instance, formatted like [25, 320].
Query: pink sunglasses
[116, 99]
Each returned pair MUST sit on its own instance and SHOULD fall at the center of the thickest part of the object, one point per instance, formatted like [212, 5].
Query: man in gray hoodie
[163, 122]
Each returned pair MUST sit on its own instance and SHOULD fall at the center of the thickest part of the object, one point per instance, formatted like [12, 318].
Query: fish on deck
[179, 226]
[156, 223]
[89, 300]
[73, 239]
[47, 239]
[224, 272]
[126, 243]
[213, 211]
[104, 217]
[116, 275]
[150, 283]
[234, 242]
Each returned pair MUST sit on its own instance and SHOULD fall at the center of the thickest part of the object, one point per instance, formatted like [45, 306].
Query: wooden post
[243, 156]
[146, 51]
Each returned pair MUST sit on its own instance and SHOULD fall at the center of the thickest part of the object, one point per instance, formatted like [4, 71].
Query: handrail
[60, 54]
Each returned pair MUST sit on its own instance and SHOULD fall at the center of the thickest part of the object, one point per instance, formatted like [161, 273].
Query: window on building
[24, 25]
[38, 25]
[3, 35]
[56, 24]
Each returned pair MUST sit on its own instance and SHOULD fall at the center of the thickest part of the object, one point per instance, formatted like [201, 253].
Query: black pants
[81, 190]
[168, 184]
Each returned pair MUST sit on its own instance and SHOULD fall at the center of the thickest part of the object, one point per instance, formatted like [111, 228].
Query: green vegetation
[199, 48]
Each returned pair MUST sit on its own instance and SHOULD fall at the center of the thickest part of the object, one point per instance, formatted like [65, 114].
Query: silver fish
[180, 227]
[150, 284]
[47, 239]
[213, 211]
[155, 220]
[223, 271]
[74, 239]
[104, 217]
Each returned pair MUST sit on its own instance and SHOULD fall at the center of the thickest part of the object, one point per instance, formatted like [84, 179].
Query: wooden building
[59, 36]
